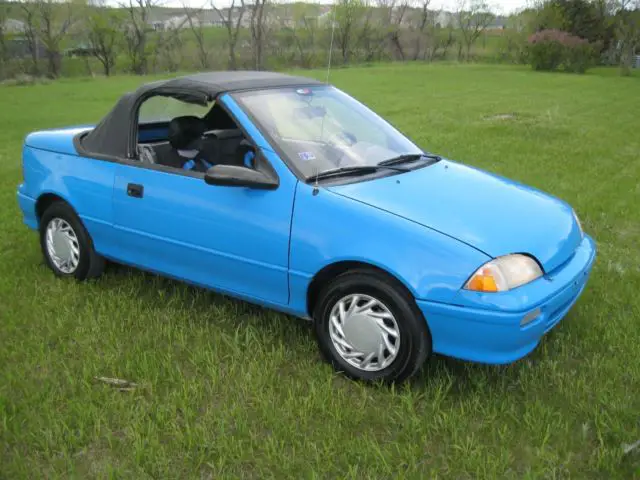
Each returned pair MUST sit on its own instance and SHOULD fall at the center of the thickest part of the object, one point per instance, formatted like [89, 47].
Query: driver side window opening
[187, 136]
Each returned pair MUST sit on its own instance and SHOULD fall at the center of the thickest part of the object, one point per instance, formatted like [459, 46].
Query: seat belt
[191, 164]
[248, 159]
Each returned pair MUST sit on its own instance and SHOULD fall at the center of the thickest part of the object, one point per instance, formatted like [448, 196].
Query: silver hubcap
[62, 245]
[364, 332]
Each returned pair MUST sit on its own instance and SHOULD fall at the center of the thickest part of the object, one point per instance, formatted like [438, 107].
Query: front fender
[328, 228]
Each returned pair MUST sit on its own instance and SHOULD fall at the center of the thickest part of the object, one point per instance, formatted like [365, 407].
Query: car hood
[493, 214]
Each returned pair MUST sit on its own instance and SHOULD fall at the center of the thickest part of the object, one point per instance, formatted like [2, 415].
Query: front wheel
[369, 327]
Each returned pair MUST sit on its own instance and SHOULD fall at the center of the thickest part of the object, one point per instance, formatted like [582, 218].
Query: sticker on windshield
[306, 156]
[303, 91]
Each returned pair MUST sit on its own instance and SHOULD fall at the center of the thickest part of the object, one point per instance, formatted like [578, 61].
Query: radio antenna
[333, 29]
[315, 183]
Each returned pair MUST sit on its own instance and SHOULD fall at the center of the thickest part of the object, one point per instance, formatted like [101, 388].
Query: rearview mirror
[309, 112]
[238, 176]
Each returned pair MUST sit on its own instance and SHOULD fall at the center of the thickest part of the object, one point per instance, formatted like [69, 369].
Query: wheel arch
[331, 271]
[46, 199]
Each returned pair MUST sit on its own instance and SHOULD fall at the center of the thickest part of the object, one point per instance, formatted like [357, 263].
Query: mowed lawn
[230, 390]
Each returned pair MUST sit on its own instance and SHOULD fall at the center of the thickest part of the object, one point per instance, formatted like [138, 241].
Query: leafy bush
[553, 50]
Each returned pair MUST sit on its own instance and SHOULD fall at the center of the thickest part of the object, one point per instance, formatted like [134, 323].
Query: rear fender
[84, 183]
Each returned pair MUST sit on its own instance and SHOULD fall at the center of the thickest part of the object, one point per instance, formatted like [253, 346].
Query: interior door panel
[153, 132]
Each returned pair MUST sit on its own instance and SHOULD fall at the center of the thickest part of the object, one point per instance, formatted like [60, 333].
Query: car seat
[186, 139]
[147, 154]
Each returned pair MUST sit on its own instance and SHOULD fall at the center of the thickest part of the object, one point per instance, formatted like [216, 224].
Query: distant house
[16, 42]
[160, 21]
[325, 17]
[498, 23]
[80, 50]
[446, 19]
[11, 25]
[209, 18]
[163, 24]
[19, 47]
[245, 22]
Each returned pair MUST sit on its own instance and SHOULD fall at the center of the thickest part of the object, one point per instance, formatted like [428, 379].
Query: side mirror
[238, 176]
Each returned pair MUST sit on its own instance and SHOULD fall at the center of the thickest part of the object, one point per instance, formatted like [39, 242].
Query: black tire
[415, 338]
[90, 265]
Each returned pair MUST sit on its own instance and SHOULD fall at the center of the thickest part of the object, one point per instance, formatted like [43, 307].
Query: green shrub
[553, 50]
[580, 57]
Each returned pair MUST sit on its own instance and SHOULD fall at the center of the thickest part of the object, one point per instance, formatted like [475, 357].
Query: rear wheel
[66, 244]
[369, 327]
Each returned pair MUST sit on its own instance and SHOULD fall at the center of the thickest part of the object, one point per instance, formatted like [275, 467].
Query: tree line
[72, 37]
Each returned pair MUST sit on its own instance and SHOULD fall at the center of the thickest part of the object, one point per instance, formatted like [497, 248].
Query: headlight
[575, 215]
[504, 273]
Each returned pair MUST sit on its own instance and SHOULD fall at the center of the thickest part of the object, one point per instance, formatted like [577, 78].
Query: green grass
[230, 390]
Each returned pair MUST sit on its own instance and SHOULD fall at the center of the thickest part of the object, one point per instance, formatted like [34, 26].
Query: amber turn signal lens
[483, 282]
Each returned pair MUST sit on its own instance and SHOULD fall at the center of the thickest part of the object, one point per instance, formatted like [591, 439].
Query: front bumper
[486, 327]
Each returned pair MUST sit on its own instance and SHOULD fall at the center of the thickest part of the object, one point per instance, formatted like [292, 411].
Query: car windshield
[321, 128]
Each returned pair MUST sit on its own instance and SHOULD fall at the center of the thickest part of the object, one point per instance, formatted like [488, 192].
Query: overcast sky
[501, 6]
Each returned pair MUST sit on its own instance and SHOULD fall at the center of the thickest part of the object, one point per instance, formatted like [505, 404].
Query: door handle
[135, 190]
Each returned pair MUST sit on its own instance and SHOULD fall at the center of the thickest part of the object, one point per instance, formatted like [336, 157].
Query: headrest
[185, 132]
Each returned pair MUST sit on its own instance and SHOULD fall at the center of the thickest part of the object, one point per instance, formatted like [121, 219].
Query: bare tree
[393, 15]
[432, 39]
[347, 15]
[421, 21]
[258, 34]
[304, 32]
[373, 28]
[232, 24]
[168, 47]
[398, 17]
[628, 32]
[473, 17]
[31, 20]
[195, 20]
[4, 14]
[136, 33]
[442, 43]
[103, 24]
[55, 20]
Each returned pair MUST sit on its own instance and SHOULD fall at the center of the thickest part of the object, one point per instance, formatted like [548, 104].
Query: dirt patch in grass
[502, 116]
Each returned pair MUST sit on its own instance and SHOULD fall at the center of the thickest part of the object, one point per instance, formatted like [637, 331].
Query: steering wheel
[341, 142]
[342, 138]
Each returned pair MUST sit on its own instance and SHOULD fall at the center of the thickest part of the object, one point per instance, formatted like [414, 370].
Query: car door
[234, 239]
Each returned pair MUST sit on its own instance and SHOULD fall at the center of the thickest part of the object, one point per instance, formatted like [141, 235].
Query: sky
[500, 6]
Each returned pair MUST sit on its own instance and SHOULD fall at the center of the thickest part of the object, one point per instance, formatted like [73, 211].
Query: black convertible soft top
[113, 136]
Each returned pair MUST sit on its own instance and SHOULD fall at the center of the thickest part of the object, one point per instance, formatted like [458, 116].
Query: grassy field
[229, 390]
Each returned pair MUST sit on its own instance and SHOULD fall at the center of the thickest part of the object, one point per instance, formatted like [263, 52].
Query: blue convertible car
[289, 193]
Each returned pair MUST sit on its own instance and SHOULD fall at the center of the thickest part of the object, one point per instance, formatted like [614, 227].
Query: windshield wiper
[354, 170]
[410, 157]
